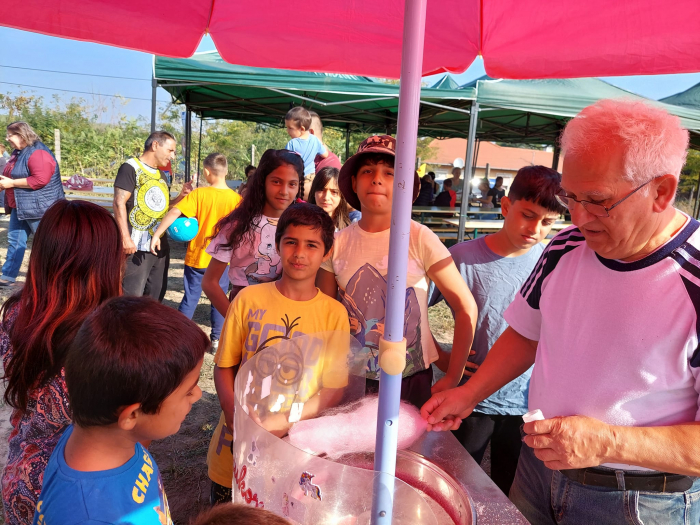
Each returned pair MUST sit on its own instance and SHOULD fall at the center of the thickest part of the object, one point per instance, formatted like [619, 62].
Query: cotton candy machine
[297, 378]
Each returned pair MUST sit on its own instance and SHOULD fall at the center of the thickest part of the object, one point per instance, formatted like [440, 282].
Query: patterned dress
[35, 433]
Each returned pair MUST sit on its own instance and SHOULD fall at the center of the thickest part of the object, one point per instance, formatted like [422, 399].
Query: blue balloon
[184, 229]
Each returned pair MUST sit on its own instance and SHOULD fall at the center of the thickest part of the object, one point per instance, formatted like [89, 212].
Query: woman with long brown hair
[75, 264]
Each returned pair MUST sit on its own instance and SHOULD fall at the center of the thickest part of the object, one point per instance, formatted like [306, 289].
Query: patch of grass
[441, 323]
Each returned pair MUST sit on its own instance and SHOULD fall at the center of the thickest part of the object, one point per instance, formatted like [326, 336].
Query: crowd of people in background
[96, 368]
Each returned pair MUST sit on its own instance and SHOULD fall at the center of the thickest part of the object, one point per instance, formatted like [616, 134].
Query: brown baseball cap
[376, 144]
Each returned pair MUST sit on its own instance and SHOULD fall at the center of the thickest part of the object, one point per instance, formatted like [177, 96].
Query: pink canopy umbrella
[517, 38]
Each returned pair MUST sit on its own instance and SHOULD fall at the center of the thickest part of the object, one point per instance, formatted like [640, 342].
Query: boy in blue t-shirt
[298, 122]
[132, 374]
[494, 268]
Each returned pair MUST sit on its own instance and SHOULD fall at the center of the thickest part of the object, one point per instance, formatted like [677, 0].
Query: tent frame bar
[189, 84]
[449, 108]
[468, 169]
[377, 99]
[326, 104]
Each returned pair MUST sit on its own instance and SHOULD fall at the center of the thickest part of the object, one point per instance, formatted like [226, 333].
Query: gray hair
[652, 141]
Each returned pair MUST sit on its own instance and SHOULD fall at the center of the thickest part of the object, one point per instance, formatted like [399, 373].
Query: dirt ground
[182, 457]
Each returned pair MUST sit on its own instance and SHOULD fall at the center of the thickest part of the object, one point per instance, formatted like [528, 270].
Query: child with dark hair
[326, 194]
[132, 374]
[425, 195]
[249, 170]
[494, 268]
[265, 313]
[497, 192]
[230, 514]
[245, 238]
[447, 197]
[358, 266]
[436, 186]
[75, 264]
[308, 146]
[207, 204]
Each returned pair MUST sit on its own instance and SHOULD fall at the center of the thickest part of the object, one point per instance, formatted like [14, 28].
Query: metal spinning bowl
[450, 503]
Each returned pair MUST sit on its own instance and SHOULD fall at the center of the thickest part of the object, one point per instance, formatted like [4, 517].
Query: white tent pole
[468, 168]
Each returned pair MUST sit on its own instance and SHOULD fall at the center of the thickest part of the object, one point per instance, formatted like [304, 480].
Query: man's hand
[129, 246]
[186, 189]
[155, 245]
[570, 442]
[6, 183]
[445, 410]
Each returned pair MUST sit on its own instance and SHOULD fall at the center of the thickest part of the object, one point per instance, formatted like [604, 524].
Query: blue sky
[31, 50]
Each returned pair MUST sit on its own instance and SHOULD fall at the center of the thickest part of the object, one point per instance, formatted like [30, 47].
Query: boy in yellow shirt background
[263, 314]
[208, 205]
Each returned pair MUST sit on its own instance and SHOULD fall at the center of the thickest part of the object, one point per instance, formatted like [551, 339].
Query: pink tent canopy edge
[517, 38]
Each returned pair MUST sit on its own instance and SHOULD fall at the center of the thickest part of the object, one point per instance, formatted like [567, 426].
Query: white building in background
[498, 161]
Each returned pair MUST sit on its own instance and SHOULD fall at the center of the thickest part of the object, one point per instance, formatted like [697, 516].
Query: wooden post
[57, 145]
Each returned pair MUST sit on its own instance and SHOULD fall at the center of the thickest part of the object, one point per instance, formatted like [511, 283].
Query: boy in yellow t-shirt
[263, 314]
[208, 205]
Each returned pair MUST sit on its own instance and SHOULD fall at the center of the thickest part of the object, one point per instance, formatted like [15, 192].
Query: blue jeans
[547, 496]
[193, 291]
[17, 235]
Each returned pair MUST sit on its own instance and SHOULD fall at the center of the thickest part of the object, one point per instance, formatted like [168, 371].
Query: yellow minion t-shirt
[259, 317]
[207, 205]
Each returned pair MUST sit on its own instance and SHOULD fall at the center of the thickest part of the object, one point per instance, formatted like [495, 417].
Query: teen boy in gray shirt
[494, 268]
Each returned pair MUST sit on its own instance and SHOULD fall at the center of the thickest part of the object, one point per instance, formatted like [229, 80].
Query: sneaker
[5, 284]
[214, 345]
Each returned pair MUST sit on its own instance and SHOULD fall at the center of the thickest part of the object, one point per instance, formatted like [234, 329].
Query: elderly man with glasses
[610, 319]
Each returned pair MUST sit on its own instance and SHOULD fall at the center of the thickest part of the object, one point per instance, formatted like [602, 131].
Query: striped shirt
[617, 341]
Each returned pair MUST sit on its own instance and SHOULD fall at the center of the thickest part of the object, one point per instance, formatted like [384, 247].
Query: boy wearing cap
[359, 264]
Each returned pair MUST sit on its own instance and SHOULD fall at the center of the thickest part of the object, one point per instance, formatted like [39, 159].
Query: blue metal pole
[393, 346]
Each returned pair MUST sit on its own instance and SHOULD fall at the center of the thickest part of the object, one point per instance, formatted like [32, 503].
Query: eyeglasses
[595, 209]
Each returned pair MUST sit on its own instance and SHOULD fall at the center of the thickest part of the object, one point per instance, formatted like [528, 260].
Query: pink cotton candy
[353, 428]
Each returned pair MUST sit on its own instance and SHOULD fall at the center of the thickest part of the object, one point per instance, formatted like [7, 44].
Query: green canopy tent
[690, 98]
[533, 111]
[446, 82]
[215, 89]
[516, 111]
